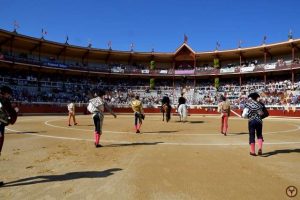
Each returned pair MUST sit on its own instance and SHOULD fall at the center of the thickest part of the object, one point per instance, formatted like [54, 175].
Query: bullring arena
[45, 159]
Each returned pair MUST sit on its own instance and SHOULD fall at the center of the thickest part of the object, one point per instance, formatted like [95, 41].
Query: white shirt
[97, 105]
[71, 107]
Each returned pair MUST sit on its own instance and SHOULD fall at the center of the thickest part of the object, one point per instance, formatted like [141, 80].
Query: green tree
[152, 83]
[152, 65]
[216, 63]
[217, 82]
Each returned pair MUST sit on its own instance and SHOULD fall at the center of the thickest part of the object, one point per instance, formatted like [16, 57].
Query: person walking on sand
[137, 107]
[96, 106]
[254, 112]
[224, 109]
[71, 109]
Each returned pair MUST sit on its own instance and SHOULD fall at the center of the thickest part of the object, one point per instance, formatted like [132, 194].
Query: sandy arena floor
[43, 158]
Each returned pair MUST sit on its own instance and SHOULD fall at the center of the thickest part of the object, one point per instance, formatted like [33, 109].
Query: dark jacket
[8, 115]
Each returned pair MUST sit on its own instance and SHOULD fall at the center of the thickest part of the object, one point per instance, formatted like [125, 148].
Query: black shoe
[75, 124]
[137, 131]
[1, 183]
[252, 154]
[98, 145]
[69, 124]
[259, 152]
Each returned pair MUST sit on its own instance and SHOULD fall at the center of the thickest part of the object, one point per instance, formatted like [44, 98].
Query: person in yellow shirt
[137, 107]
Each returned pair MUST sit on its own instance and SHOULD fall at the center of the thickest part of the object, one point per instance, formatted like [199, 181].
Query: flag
[264, 40]
[109, 44]
[290, 35]
[16, 25]
[218, 45]
[240, 43]
[185, 38]
[131, 46]
[44, 32]
[89, 43]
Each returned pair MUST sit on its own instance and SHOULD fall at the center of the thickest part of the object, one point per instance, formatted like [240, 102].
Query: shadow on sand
[63, 177]
[133, 144]
[189, 122]
[282, 151]
[26, 132]
[81, 125]
[159, 132]
[240, 133]
[196, 122]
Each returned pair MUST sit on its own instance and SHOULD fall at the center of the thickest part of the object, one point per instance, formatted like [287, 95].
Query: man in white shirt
[96, 107]
[71, 109]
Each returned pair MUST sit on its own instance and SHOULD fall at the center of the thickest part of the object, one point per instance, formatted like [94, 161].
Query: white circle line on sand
[64, 138]
[157, 133]
[48, 124]
[158, 143]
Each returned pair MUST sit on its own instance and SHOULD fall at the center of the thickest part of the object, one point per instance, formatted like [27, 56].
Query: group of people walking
[255, 111]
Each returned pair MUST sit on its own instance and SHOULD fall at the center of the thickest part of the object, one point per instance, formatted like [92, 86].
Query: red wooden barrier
[55, 109]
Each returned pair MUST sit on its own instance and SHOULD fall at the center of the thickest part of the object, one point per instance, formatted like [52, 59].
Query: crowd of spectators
[32, 87]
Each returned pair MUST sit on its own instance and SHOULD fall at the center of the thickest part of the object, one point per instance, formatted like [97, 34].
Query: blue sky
[158, 24]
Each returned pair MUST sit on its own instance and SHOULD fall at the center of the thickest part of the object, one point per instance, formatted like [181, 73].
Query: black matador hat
[253, 95]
